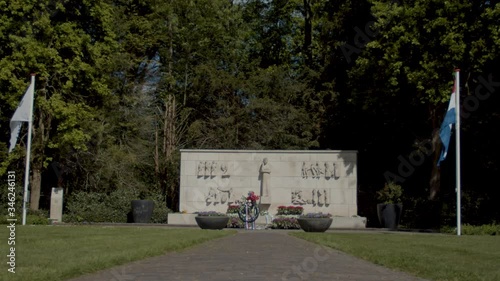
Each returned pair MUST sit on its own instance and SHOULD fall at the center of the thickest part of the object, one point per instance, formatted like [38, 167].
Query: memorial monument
[319, 181]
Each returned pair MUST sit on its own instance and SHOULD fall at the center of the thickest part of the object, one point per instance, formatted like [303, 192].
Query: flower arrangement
[232, 209]
[235, 222]
[210, 214]
[316, 215]
[285, 223]
[290, 210]
[252, 196]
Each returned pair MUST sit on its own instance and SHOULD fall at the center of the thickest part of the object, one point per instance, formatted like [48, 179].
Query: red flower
[252, 196]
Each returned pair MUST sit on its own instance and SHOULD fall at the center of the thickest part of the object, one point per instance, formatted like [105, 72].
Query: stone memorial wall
[319, 181]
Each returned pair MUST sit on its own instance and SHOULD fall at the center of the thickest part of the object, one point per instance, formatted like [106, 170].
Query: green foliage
[89, 207]
[247, 75]
[390, 194]
[39, 217]
[160, 210]
[115, 207]
[467, 229]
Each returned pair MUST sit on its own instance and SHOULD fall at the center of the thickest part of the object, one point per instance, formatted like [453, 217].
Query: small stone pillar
[56, 204]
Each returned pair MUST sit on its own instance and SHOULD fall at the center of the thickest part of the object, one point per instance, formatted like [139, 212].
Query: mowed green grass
[62, 252]
[431, 256]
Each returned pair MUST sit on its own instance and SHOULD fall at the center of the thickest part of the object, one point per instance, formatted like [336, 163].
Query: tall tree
[68, 47]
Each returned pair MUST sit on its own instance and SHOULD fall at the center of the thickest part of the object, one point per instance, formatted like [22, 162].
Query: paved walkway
[274, 256]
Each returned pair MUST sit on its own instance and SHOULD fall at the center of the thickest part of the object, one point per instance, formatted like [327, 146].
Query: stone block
[56, 204]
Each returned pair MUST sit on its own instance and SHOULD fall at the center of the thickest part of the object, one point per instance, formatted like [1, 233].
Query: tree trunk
[157, 154]
[435, 180]
[36, 182]
[39, 140]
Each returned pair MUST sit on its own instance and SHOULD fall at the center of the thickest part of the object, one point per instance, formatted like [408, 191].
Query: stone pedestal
[56, 204]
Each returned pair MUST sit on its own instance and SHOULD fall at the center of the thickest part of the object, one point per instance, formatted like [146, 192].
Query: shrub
[40, 217]
[467, 229]
[100, 207]
[160, 210]
[88, 207]
[390, 194]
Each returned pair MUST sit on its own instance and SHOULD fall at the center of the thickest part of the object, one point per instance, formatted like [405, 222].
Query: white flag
[22, 114]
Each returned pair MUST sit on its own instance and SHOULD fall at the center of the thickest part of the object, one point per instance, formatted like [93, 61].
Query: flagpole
[28, 152]
[457, 142]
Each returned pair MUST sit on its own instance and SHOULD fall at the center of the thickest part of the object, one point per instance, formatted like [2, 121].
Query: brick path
[275, 256]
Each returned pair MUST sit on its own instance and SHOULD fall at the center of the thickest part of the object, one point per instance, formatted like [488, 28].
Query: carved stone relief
[317, 170]
[315, 197]
[211, 169]
[219, 195]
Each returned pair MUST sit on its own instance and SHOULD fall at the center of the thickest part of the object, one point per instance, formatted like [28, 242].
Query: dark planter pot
[315, 224]
[142, 210]
[389, 215]
[212, 222]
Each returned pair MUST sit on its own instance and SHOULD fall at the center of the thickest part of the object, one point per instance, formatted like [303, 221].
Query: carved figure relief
[207, 169]
[315, 197]
[200, 172]
[316, 170]
[211, 169]
[265, 175]
[223, 168]
[297, 198]
[304, 170]
[212, 196]
[319, 170]
[219, 196]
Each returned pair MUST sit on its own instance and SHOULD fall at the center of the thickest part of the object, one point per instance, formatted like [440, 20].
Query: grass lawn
[431, 256]
[62, 252]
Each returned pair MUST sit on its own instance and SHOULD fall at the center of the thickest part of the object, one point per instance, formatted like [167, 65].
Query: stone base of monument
[348, 222]
[338, 222]
[265, 200]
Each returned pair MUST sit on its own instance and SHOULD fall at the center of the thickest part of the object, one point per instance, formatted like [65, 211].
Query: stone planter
[389, 215]
[212, 222]
[142, 210]
[315, 224]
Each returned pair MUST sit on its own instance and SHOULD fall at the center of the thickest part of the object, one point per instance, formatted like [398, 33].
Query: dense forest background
[122, 85]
